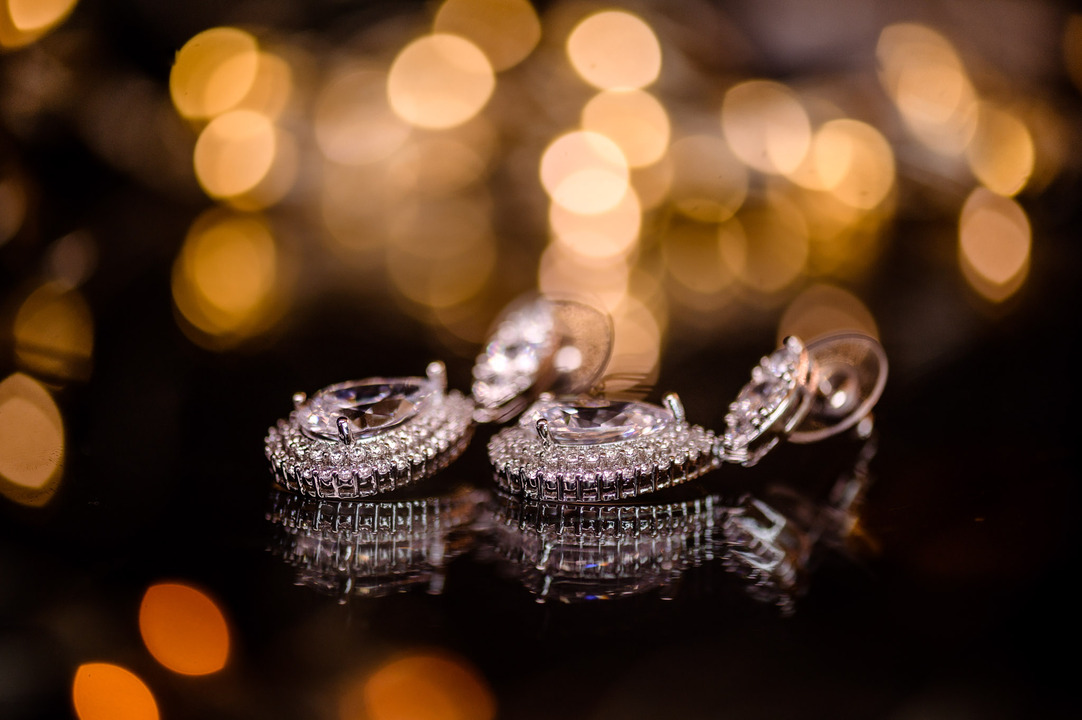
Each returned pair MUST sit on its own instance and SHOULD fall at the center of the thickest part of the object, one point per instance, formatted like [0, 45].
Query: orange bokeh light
[103, 691]
[184, 629]
[425, 686]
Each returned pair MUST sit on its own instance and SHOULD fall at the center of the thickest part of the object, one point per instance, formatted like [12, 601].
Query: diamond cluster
[644, 462]
[595, 423]
[763, 401]
[411, 450]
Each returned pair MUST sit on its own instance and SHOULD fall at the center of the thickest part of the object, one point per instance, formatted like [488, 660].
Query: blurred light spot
[854, 162]
[235, 153]
[442, 252]
[271, 87]
[505, 30]
[1072, 48]
[994, 244]
[354, 123]
[213, 72]
[439, 81]
[634, 120]
[614, 50]
[693, 259]
[54, 333]
[766, 126]
[927, 81]
[603, 280]
[24, 21]
[31, 441]
[636, 349]
[584, 172]
[227, 278]
[607, 234]
[72, 259]
[183, 629]
[768, 249]
[423, 686]
[1001, 154]
[437, 165]
[12, 206]
[824, 309]
[708, 183]
[653, 182]
[103, 691]
[356, 206]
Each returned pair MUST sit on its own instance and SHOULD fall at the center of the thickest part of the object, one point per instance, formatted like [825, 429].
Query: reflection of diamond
[369, 406]
[515, 354]
[605, 422]
[772, 384]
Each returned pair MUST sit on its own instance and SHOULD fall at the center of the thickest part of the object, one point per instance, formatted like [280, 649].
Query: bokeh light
[103, 691]
[442, 252]
[228, 281]
[1001, 154]
[54, 333]
[692, 257]
[766, 126]
[822, 309]
[272, 87]
[584, 172]
[439, 81]
[24, 21]
[235, 153]
[608, 234]
[604, 281]
[925, 77]
[615, 50]
[505, 30]
[854, 162]
[420, 686]
[634, 119]
[768, 248]
[213, 72]
[354, 123]
[13, 203]
[994, 241]
[31, 441]
[184, 629]
[708, 184]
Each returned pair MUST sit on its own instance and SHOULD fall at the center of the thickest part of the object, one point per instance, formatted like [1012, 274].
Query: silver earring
[364, 437]
[805, 393]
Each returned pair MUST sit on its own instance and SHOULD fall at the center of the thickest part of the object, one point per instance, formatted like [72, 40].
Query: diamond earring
[363, 437]
[805, 394]
[598, 450]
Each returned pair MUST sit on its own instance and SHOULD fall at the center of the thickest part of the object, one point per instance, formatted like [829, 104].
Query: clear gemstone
[369, 406]
[597, 423]
[514, 355]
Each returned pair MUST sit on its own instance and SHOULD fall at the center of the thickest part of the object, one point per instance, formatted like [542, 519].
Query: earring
[597, 450]
[805, 394]
[363, 437]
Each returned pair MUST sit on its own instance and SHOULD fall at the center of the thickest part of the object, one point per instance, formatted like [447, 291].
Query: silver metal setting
[804, 393]
[381, 459]
[532, 461]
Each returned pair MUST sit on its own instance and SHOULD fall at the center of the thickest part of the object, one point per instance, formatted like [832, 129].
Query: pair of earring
[360, 438]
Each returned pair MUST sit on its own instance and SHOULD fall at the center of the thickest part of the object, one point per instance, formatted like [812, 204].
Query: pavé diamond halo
[359, 438]
[363, 437]
[597, 450]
